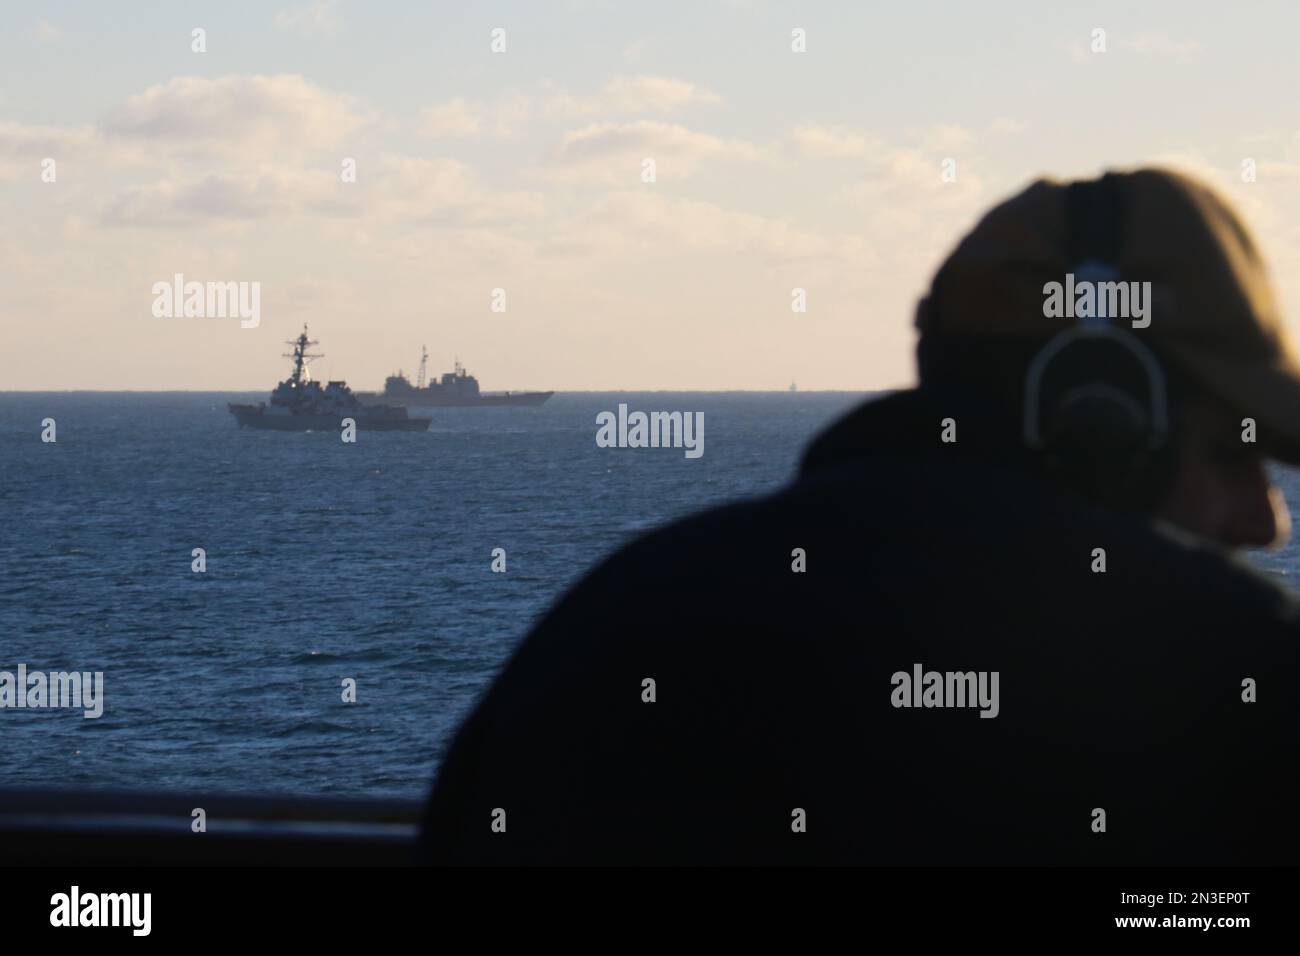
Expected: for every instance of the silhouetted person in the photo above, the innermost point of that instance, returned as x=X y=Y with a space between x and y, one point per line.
x=1045 y=523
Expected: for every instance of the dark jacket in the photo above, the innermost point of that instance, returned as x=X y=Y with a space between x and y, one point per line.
x=775 y=693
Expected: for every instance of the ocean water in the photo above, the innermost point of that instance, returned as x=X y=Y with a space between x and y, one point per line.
x=325 y=561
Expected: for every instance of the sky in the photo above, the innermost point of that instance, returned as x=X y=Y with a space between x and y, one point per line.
x=524 y=169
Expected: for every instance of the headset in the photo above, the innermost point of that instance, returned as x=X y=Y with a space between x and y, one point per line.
x=1096 y=399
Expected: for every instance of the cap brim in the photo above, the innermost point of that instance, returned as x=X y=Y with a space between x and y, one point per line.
x=1269 y=392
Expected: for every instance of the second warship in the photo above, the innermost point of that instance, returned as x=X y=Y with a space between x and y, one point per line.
x=456 y=389
x=299 y=404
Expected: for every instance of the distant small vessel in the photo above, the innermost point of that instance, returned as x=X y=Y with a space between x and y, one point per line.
x=298 y=404
x=457 y=389
x=793 y=388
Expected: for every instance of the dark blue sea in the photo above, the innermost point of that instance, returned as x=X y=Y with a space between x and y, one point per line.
x=325 y=561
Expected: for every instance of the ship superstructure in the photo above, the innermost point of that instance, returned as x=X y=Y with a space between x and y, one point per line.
x=454 y=389
x=301 y=404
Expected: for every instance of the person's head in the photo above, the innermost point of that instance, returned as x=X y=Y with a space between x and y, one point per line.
x=1129 y=326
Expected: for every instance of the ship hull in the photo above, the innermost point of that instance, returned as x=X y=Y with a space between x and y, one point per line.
x=254 y=416
x=417 y=399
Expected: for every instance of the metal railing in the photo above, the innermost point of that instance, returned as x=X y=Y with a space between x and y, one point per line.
x=127 y=828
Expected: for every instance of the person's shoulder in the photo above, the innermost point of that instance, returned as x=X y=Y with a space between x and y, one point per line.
x=1237 y=576
x=967 y=520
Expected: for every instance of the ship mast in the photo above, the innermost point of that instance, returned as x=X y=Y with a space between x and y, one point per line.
x=301 y=357
x=424 y=358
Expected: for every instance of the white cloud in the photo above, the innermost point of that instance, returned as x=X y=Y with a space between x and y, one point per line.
x=232 y=120
x=399 y=188
x=904 y=176
x=219 y=197
x=649 y=94
x=461 y=118
x=453 y=118
x=627 y=95
x=627 y=221
x=23 y=147
x=507 y=114
x=942 y=138
x=33 y=142
x=840 y=141
x=832 y=141
x=446 y=191
x=257 y=117
x=613 y=152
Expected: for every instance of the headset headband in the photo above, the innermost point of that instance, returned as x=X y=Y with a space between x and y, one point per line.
x=1094 y=214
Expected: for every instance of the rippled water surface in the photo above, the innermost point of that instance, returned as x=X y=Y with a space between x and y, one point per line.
x=324 y=561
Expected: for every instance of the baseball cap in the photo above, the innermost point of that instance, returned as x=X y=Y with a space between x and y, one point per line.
x=1212 y=309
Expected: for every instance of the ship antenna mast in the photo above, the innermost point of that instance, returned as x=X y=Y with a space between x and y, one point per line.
x=424 y=358
x=301 y=357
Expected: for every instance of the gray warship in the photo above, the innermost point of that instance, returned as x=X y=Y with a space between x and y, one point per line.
x=299 y=404
x=456 y=389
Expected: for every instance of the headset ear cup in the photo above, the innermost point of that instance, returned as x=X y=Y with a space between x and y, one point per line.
x=1096 y=406
x=1159 y=474
x=1094 y=446
x=1139 y=483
